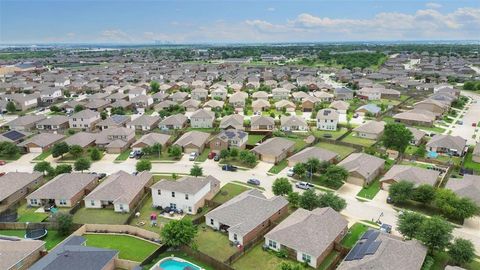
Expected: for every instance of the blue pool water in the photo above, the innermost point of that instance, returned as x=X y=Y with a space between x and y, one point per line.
x=171 y=264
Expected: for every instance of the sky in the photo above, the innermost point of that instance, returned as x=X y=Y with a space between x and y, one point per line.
x=235 y=21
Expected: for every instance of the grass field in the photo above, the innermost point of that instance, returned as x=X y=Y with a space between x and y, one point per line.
x=123 y=156
x=278 y=167
x=214 y=243
x=203 y=156
x=299 y=143
x=43 y=155
x=27 y=214
x=470 y=164
x=342 y=151
x=228 y=191
x=99 y=216
x=130 y=248
x=350 y=138
x=370 y=191
x=145 y=211
x=52 y=239
x=335 y=133
x=257 y=258
x=253 y=139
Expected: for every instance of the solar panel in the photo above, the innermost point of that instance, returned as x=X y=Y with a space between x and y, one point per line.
x=13 y=135
x=373 y=247
x=365 y=246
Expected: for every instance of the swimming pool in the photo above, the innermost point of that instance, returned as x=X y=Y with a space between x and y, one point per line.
x=177 y=264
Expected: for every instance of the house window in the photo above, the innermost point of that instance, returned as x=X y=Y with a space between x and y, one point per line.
x=63 y=202
x=306 y=258
x=173 y=194
x=92 y=203
x=33 y=201
x=272 y=244
x=235 y=237
x=190 y=209
x=211 y=221
x=120 y=206
x=159 y=192
x=186 y=196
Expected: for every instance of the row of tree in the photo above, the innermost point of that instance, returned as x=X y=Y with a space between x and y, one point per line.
x=331 y=175
x=436 y=234
x=76 y=151
x=445 y=200
x=244 y=156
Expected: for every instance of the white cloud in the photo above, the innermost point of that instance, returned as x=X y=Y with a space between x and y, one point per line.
x=433 y=5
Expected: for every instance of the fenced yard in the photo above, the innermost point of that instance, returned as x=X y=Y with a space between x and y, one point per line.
x=52 y=238
x=227 y=192
x=213 y=243
x=99 y=216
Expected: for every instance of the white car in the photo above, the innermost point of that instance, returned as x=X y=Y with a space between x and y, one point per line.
x=192 y=156
x=290 y=172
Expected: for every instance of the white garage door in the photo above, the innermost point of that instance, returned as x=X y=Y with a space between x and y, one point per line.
x=35 y=150
x=355 y=180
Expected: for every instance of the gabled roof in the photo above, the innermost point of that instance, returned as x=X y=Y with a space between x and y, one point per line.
x=187 y=184
x=176 y=119
x=63 y=186
x=362 y=163
x=153 y=138
x=114 y=120
x=311 y=232
x=340 y=105
x=447 y=141
x=43 y=139
x=246 y=211
x=25 y=120
x=372 y=108
x=468 y=187
x=262 y=120
x=234 y=120
x=375 y=127
x=292 y=120
x=14 y=181
x=328 y=114
x=418 y=176
x=120 y=187
x=87 y=113
x=196 y=138
x=313 y=152
x=14 y=250
x=273 y=146
x=145 y=120
x=82 y=139
x=54 y=120
x=203 y=114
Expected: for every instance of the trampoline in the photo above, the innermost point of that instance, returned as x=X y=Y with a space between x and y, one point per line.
x=35 y=231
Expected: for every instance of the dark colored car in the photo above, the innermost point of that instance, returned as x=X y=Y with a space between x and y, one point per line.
x=216 y=158
x=253 y=181
x=139 y=155
x=101 y=175
x=389 y=200
x=229 y=168
x=211 y=155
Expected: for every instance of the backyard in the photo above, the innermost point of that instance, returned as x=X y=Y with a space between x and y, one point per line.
x=28 y=214
x=143 y=221
x=335 y=134
x=470 y=164
x=254 y=139
x=257 y=258
x=99 y=216
x=129 y=247
x=228 y=191
x=178 y=254
x=52 y=239
x=214 y=243
x=342 y=151
x=352 y=138
x=299 y=142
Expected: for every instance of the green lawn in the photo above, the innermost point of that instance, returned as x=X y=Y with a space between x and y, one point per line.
x=203 y=156
x=123 y=156
x=350 y=138
x=342 y=151
x=253 y=139
x=299 y=143
x=99 y=216
x=329 y=260
x=177 y=254
x=144 y=220
x=437 y=130
x=279 y=167
x=257 y=258
x=130 y=248
x=43 y=155
x=335 y=133
x=370 y=191
x=470 y=164
x=354 y=233
x=214 y=243
x=86 y=154
x=27 y=214
x=52 y=239
x=411 y=149
x=228 y=191
x=10 y=158
x=441 y=259
x=319 y=180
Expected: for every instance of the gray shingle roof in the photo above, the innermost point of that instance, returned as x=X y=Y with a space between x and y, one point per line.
x=14 y=181
x=313 y=152
x=187 y=184
x=362 y=163
x=418 y=176
x=14 y=250
x=63 y=186
x=273 y=146
x=196 y=138
x=468 y=187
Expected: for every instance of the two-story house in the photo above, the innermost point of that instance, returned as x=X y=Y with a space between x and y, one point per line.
x=86 y=119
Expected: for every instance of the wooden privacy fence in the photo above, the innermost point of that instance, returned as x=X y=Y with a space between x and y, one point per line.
x=217 y=265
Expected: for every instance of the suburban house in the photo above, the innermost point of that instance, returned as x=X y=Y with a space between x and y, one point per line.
x=253 y=215
x=219 y=93
x=14 y=136
x=188 y=193
x=369 y=93
x=363 y=168
x=86 y=119
x=115 y=140
x=280 y=93
x=190 y=105
x=202 y=119
x=65 y=190
x=16 y=186
x=343 y=93
x=309 y=102
x=285 y=104
x=418 y=135
x=55 y=123
x=262 y=123
x=114 y=121
x=321 y=229
x=293 y=123
x=312 y=152
x=74 y=254
x=120 y=191
x=83 y=139
x=274 y=149
x=370 y=130
x=238 y=99
x=340 y=105
x=416 y=175
x=234 y=121
x=322 y=96
x=18 y=253
x=378 y=250
x=40 y=142
x=25 y=123
x=199 y=94
x=258 y=95
x=434 y=106
x=327 y=119
x=150 y=139
x=144 y=123
x=228 y=138
x=193 y=141
x=416 y=117
x=467 y=187
x=448 y=144
x=213 y=104
x=260 y=105
x=176 y=121
x=178 y=96
x=23 y=102
x=368 y=109
x=142 y=102
x=97 y=105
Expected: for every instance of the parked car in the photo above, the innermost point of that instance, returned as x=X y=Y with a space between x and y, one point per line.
x=101 y=175
x=2 y=162
x=132 y=154
x=290 y=172
x=304 y=185
x=211 y=155
x=2 y=173
x=216 y=158
x=192 y=156
x=474 y=124
x=229 y=168
x=389 y=200
x=139 y=154
x=355 y=115
x=459 y=122
x=386 y=228
x=253 y=181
